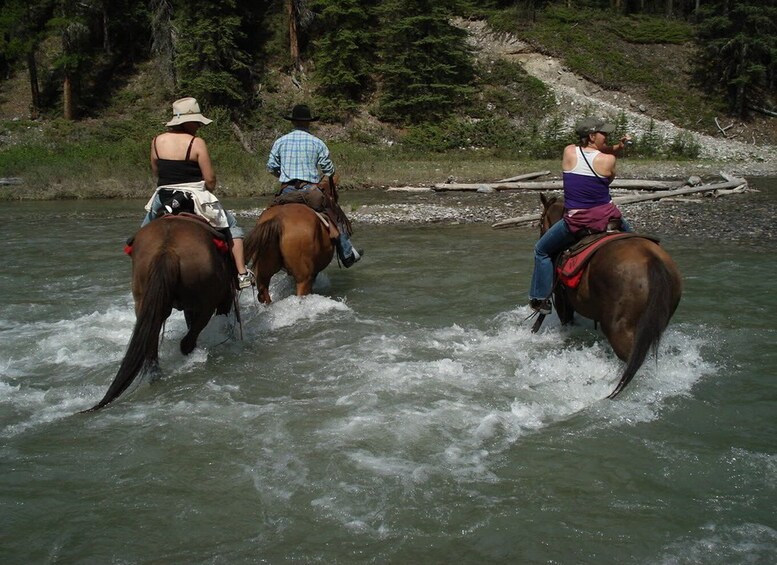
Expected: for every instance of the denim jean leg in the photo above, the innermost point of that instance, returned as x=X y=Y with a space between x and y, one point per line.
x=552 y=242
x=152 y=214
x=346 y=249
x=625 y=226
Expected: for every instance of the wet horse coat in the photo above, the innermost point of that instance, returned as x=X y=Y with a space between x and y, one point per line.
x=631 y=286
x=290 y=237
x=176 y=263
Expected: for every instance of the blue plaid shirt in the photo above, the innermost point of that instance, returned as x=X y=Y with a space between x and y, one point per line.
x=298 y=155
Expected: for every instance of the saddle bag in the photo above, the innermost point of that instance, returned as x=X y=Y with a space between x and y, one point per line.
x=176 y=201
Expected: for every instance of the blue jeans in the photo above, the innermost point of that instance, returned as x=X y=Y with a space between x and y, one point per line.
x=156 y=206
x=553 y=241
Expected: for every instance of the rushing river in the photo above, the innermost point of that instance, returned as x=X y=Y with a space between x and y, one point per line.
x=403 y=414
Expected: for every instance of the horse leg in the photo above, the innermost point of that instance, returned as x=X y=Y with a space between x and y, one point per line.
x=305 y=287
x=620 y=334
x=263 y=276
x=199 y=319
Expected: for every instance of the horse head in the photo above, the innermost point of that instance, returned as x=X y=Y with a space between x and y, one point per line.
x=552 y=211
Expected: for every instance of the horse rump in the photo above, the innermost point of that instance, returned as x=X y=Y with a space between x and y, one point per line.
x=659 y=309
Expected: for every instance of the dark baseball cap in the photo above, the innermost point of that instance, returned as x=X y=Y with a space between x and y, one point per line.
x=592 y=125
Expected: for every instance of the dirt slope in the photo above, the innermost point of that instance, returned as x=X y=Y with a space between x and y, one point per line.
x=576 y=96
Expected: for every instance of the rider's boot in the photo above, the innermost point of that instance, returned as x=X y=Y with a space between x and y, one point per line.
x=345 y=250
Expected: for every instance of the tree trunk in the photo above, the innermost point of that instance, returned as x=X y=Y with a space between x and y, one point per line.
x=32 y=70
x=67 y=98
x=106 y=33
x=291 y=12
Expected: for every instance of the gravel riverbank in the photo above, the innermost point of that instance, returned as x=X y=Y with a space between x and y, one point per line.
x=735 y=217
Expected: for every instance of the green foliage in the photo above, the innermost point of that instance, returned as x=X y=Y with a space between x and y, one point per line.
x=651 y=30
x=343 y=55
x=738 y=51
x=210 y=62
x=685 y=146
x=649 y=144
x=426 y=66
x=549 y=141
x=508 y=90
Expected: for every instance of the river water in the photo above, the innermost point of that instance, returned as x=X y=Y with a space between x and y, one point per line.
x=403 y=414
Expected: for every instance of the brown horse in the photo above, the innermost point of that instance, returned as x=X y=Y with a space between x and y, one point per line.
x=630 y=286
x=290 y=237
x=177 y=262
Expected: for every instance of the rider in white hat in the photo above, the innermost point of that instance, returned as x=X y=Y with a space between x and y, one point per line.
x=181 y=162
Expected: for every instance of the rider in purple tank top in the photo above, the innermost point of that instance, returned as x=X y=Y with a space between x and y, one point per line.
x=588 y=169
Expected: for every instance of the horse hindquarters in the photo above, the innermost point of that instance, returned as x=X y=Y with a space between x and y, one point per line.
x=154 y=303
x=262 y=249
x=663 y=296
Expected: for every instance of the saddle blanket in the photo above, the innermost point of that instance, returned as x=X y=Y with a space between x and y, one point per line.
x=571 y=263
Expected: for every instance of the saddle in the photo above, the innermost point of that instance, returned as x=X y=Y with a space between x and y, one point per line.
x=324 y=203
x=571 y=262
x=221 y=238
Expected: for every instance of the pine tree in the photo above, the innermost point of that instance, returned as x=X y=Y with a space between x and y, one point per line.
x=738 y=50
x=211 y=63
x=344 y=55
x=426 y=66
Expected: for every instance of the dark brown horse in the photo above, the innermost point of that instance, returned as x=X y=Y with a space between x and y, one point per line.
x=180 y=263
x=290 y=237
x=630 y=286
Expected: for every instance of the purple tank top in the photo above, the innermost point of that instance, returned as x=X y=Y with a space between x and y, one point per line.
x=583 y=188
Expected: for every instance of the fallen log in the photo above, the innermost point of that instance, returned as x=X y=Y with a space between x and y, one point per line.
x=408 y=189
x=526 y=176
x=536 y=185
x=737 y=184
x=732 y=183
x=641 y=184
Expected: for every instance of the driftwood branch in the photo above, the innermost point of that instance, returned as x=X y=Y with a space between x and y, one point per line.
x=409 y=189
x=721 y=128
x=10 y=180
x=241 y=138
x=526 y=176
x=731 y=185
x=764 y=111
x=537 y=185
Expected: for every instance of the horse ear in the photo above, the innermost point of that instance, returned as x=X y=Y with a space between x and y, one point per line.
x=543 y=199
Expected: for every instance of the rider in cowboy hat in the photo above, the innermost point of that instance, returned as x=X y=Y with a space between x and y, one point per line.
x=296 y=159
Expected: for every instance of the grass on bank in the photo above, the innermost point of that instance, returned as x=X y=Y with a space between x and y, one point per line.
x=76 y=164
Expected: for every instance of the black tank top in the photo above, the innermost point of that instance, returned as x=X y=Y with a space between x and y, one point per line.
x=174 y=171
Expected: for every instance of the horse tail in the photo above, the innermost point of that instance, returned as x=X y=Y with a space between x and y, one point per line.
x=265 y=236
x=654 y=320
x=143 y=349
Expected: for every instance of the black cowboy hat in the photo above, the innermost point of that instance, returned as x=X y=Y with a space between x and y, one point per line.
x=301 y=113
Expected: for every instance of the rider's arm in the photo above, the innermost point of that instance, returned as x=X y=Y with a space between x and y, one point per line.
x=324 y=161
x=617 y=148
x=203 y=159
x=153 y=157
x=604 y=165
x=274 y=161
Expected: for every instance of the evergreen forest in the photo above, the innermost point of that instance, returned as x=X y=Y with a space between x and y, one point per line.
x=402 y=64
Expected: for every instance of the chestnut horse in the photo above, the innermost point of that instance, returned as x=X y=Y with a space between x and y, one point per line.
x=630 y=286
x=290 y=237
x=177 y=262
